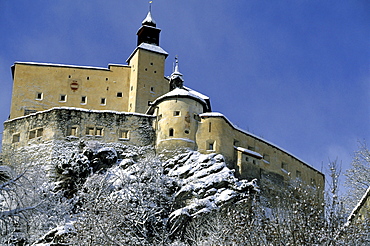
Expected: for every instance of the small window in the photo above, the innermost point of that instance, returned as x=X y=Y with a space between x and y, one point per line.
x=132 y=88
x=211 y=146
x=99 y=131
x=16 y=138
x=83 y=99
x=176 y=113
x=39 y=132
x=106 y=79
x=196 y=117
x=69 y=76
x=119 y=94
x=87 y=78
x=298 y=174
x=35 y=133
x=210 y=127
x=284 y=166
x=155 y=71
x=123 y=134
x=152 y=89
x=254 y=162
x=236 y=143
x=39 y=96
x=247 y=158
x=151 y=63
x=90 y=131
x=73 y=131
x=103 y=101
x=32 y=134
x=187 y=131
x=171 y=132
x=63 y=98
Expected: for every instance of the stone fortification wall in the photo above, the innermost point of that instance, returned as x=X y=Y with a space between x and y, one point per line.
x=42 y=130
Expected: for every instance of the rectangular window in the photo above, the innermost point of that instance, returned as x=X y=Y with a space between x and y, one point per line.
x=103 y=101
x=176 y=113
x=123 y=134
x=35 y=133
x=90 y=131
x=73 y=131
x=39 y=95
x=39 y=132
x=152 y=89
x=99 y=131
x=298 y=174
x=119 y=94
x=211 y=146
x=32 y=134
x=62 y=98
x=284 y=166
x=209 y=127
x=16 y=138
x=83 y=99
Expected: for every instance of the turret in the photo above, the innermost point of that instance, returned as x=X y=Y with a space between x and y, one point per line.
x=178 y=114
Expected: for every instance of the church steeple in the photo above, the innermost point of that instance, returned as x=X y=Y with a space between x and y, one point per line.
x=148 y=32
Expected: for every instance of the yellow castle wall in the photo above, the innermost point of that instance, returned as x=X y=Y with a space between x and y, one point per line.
x=224 y=137
x=72 y=83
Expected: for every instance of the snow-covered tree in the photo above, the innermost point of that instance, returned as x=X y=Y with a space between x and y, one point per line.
x=358 y=176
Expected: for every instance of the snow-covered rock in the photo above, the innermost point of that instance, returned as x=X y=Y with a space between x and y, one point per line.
x=205 y=183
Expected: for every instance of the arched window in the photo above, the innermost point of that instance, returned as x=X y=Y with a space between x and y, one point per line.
x=171 y=132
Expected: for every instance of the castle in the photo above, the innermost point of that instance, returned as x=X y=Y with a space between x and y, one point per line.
x=135 y=104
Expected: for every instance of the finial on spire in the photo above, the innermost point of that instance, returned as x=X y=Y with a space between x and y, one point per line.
x=149 y=21
x=176 y=67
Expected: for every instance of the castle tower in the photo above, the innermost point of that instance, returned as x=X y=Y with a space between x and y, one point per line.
x=147 y=62
x=178 y=114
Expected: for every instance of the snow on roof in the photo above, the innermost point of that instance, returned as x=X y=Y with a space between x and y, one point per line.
x=150 y=47
x=80 y=109
x=181 y=92
x=149 y=19
x=60 y=65
x=249 y=152
x=359 y=205
x=204 y=97
x=217 y=114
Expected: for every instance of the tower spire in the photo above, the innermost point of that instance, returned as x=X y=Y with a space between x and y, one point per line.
x=148 y=32
x=176 y=80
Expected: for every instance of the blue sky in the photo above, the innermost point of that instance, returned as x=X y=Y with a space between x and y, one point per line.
x=296 y=73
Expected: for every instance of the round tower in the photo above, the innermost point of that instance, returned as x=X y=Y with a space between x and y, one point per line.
x=177 y=114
